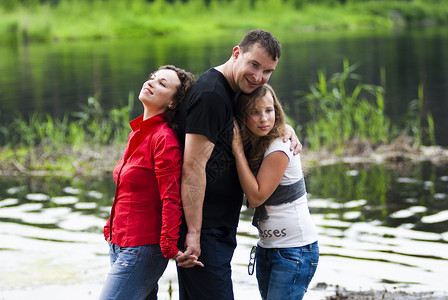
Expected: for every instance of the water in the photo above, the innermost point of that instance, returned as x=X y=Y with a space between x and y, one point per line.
x=57 y=78
x=378 y=229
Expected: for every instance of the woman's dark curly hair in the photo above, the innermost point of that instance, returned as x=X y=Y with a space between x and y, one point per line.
x=186 y=81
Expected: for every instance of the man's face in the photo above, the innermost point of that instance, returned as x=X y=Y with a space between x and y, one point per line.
x=252 y=68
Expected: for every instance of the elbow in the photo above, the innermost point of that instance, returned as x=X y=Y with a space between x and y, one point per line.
x=254 y=202
x=192 y=167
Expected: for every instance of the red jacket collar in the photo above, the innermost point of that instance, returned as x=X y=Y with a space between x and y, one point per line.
x=145 y=125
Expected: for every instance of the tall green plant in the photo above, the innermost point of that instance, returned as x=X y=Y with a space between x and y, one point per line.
x=92 y=125
x=420 y=126
x=339 y=115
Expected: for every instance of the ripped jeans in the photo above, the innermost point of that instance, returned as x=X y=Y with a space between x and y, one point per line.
x=134 y=273
x=285 y=273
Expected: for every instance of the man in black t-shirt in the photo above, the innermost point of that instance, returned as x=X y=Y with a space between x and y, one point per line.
x=211 y=193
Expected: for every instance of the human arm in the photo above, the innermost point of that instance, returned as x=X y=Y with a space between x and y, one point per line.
x=290 y=134
x=198 y=149
x=167 y=158
x=258 y=189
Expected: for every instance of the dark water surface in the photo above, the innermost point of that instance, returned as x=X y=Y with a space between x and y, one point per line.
x=415 y=197
x=58 y=77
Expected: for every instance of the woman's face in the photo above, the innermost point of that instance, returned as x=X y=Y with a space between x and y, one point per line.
x=261 y=118
x=158 y=91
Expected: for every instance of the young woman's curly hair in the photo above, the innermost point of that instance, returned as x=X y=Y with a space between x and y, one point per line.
x=255 y=146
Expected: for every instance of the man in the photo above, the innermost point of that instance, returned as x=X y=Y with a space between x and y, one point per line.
x=211 y=193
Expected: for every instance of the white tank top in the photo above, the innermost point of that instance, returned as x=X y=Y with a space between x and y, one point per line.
x=290 y=224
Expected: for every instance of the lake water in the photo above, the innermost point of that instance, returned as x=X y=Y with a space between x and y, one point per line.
x=57 y=78
x=378 y=229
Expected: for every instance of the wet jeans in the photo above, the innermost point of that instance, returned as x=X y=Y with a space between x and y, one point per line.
x=285 y=273
x=134 y=272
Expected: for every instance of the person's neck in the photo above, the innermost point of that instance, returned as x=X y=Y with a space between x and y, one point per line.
x=150 y=113
x=226 y=70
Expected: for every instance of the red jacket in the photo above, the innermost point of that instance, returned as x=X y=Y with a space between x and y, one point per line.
x=147 y=206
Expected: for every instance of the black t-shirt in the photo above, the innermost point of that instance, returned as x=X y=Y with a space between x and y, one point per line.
x=208 y=109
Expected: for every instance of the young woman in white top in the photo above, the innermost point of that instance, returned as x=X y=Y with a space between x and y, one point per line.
x=272 y=180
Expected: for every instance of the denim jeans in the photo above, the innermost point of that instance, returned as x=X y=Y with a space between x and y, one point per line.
x=134 y=272
x=285 y=273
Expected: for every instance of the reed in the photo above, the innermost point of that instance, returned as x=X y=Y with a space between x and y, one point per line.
x=420 y=125
x=339 y=115
x=91 y=126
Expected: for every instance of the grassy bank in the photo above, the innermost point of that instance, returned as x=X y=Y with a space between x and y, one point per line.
x=29 y=21
x=89 y=141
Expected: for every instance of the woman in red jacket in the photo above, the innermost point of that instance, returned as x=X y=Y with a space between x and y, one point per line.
x=143 y=227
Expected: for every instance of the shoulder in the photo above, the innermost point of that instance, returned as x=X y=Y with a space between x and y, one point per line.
x=279 y=145
x=211 y=85
x=210 y=100
x=165 y=135
x=210 y=76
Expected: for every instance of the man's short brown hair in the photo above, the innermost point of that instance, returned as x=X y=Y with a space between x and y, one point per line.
x=265 y=39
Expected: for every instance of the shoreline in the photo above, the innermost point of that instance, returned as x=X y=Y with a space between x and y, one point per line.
x=100 y=160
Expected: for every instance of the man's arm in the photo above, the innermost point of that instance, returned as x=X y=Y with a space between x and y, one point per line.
x=198 y=149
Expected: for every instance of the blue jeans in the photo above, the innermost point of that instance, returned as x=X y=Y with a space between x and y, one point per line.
x=285 y=273
x=134 y=272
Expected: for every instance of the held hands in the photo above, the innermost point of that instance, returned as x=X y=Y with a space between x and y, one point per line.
x=186 y=261
x=290 y=134
x=189 y=258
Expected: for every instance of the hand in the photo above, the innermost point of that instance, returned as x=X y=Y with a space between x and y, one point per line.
x=290 y=134
x=237 y=143
x=187 y=261
x=108 y=241
x=193 y=244
x=189 y=258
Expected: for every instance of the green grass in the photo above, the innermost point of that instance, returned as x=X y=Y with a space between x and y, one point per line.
x=23 y=21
